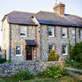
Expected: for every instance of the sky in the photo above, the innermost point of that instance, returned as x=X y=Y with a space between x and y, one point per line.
x=72 y=7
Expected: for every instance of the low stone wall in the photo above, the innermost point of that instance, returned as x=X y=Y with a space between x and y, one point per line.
x=7 y=70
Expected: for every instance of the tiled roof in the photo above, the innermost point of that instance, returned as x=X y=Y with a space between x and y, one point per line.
x=43 y=17
x=52 y=18
x=20 y=18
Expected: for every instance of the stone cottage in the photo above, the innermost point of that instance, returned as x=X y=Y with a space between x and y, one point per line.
x=31 y=36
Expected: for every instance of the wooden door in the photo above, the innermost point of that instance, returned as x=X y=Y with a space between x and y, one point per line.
x=29 y=53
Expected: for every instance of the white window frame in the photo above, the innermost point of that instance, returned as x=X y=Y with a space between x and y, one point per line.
x=80 y=33
x=52 y=31
x=53 y=48
x=66 y=50
x=66 y=33
x=21 y=51
x=21 y=32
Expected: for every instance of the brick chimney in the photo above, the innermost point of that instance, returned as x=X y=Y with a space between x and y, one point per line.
x=59 y=8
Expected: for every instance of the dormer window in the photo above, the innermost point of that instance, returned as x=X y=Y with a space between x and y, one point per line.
x=64 y=32
x=23 y=31
x=51 y=31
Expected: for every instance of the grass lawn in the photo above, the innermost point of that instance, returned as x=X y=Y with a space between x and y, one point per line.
x=36 y=79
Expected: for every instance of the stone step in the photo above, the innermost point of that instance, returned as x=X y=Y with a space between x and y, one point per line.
x=73 y=69
x=75 y=75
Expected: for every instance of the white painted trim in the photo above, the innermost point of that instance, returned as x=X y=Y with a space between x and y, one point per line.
x=66 y=34
x=25 y=33
x=53 y=31
x=66 y=51
x=53 y=47
x=21 y=50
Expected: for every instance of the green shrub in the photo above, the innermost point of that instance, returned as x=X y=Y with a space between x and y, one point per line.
x=37 y=60
x=9 y=61
x=23 y=75
x=77 y=52
x=73 y=64
x=52 y=71
x=65 y=72
x=53 y=56
x=2 y=60
x=69 y=48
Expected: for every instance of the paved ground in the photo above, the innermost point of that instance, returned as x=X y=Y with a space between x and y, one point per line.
x=73 y=69
x=79 y=76
x=75 y=75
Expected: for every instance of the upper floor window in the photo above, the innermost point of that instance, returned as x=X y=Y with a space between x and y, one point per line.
x=80 y=33
x=64 y=32
x=18 y=50
x=64 y=49
x=51 y=31
x=23 y=31
x=51 y=47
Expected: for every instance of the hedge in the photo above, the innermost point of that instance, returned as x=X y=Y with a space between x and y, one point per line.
x=2 y=60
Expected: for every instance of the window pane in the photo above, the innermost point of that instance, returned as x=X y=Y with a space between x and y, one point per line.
x=64 y=49
x=23 y=31
x=50 y=48
x=18 y=49
x=51 y=30
x=64 y=31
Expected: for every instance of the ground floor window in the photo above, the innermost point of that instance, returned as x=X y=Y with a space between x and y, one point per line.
x=51 y=47
x=18 y=50
x=64 y=49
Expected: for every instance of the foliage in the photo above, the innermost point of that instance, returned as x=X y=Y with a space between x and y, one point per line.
x=36 y=79
x=76 y=54
x=52 y=71
x=53 y=56
x=0 y=48
x=23 y=75
x=73 y=64
x=2 y=60
x=69 y=48
x=9 y=61
x=37 y=60
x=65 y=72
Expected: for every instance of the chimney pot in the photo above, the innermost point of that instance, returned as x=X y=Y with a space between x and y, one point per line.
x=60 y=2
x=59 y=8
x=55 y=4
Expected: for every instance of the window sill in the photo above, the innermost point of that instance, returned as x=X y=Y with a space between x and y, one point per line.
x=64 y=54
x=51 y=36
x=23 y=36
x=18 y=54
x=65 y=37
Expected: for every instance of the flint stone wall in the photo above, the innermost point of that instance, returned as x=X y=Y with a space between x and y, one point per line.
x=57 y=40
x=7 y=70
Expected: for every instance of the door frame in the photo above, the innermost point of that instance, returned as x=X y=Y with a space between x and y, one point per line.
x=32 y=52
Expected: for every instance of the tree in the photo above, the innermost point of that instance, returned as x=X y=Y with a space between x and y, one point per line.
x=76 y=54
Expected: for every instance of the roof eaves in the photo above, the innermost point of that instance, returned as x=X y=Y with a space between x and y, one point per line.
x=61 y=25
x=23 y=24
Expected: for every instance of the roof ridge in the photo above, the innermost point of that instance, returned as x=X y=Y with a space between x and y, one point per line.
x=74 y=15
x=47 y=11
x=43 y=11
x=24 y=12
x=19 y=11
